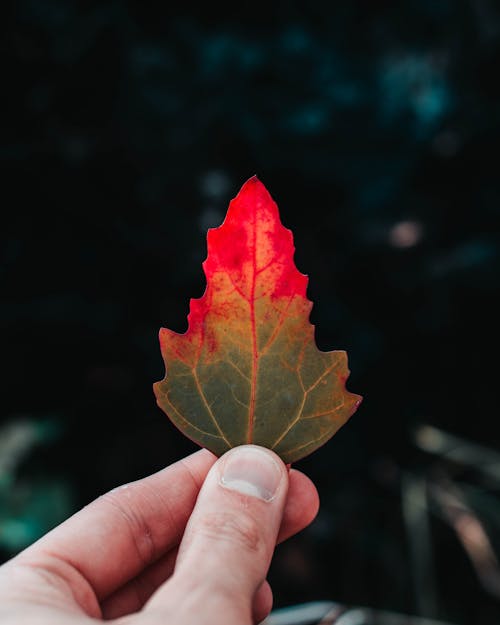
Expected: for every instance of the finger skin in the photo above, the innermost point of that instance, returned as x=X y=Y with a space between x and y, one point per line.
x=300 y=509
x=115 y=537
x=227 y=547
x=262 y=602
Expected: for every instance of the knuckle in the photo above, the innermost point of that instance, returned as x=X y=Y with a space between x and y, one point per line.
x=139 y=531
x=241 y=530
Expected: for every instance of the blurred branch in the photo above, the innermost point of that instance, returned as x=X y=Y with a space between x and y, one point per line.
x=459 y=450
x=367 y=616
x=330 y=613
x=471 y=534
x=311 y=613
x=416 y=516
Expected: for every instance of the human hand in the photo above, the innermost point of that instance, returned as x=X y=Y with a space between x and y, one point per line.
x=190 y=544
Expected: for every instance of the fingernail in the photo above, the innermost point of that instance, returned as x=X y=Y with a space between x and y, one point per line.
x=251 y=471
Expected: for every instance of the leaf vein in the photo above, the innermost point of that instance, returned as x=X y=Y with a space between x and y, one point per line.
x=278 y=327
x=207 y=406
x=332 y=411
x=235 y=366
x=292 y=423
x=325 y=373
x=188 y=423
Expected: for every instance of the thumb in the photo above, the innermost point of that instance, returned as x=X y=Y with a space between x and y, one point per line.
x=229 y=540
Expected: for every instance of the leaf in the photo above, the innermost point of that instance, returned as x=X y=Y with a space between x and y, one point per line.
x=248 y=370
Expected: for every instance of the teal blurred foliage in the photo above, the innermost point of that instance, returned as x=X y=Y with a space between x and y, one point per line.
x=126 y=129
x=30 y=504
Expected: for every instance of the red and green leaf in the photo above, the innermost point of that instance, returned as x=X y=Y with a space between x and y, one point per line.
x=248 y=370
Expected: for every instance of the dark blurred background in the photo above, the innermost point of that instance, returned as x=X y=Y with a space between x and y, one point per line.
x=126 y=129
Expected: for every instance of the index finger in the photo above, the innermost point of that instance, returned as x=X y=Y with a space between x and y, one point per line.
x=116 y=536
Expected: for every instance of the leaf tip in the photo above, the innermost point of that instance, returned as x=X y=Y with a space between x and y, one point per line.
x=253 y=185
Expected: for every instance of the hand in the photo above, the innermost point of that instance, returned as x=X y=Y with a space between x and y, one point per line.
x=190 y=544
